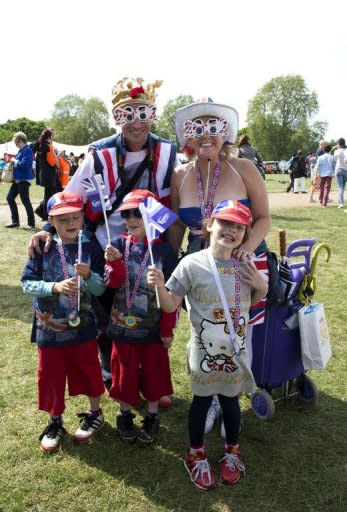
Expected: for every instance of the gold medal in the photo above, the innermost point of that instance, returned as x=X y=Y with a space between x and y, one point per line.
x=130 y=321
x=74 y=322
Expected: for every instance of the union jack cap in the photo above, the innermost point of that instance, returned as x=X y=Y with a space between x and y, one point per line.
x=135 y=198
x=233 y=211
x=64 y=202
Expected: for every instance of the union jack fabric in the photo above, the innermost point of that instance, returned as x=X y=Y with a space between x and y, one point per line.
x=96 y=193
x=156 y=217
x=257 y=312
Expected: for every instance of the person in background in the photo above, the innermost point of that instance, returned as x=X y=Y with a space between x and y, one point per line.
x=140 y=331
x=217 y=354
x=315 y=180
x=49 y=178
x=133 y=158
x=64 y=168
x=73 y=164
x=325 y=171
x=340 y=156
x=320 y=150
x=290 y=173
x=2 y=165
x=66 y=336
x=81 y=159
x=23 y=176
x=250 y=152
x=298 y=168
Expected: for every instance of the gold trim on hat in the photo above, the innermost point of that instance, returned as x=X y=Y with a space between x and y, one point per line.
x=121 y=92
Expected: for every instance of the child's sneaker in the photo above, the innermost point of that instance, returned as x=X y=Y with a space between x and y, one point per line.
x=231 y=467
x=199 y=470
x=150 y=428
x=126 y=427
x=51 y=436
x=213 y=413
x=89 y=424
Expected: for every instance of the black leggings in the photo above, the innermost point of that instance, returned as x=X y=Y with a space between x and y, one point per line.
x=21 y=188
x=197 y=418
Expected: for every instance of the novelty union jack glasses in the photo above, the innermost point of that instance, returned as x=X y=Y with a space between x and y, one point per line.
x=129 y=114
x=198 y=128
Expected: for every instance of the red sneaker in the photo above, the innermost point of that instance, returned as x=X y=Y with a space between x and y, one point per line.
x=231 y=467
x=199 y=470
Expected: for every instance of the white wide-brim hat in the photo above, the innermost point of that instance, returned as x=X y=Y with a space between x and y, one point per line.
x=206 y=107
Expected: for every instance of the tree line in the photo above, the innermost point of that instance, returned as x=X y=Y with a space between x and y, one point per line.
x=279 y=119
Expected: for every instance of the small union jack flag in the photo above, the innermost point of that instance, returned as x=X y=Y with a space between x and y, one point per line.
x=96 y=193
x=156 y=217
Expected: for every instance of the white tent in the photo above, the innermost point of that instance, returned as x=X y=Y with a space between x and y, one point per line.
x=8 y=147
x=76 y=150
x=11 y=148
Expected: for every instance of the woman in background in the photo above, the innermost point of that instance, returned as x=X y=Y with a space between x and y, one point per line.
x=23 y=176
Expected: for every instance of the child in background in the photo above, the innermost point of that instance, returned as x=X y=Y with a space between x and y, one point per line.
x=140 y=331
x=65 y=333
x=217 y=353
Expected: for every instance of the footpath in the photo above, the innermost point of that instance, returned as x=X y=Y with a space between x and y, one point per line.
x=277 y=201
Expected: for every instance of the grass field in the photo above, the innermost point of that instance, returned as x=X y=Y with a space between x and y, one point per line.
x=273 y=183
x=295 y=463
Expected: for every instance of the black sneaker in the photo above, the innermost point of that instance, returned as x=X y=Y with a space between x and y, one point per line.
x=12 y=225
x=126 y=428
x=149 y=429
x=51 y=436
x=89 y=424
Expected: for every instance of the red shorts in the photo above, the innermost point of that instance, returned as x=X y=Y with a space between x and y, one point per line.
x=79 y=364
x=140 y=367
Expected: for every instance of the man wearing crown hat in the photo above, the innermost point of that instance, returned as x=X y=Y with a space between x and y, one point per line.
x=133 y=158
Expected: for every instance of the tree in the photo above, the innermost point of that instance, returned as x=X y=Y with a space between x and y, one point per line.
x=165 y=126
x=32 y=129
x=279 y=117
x=78 y=121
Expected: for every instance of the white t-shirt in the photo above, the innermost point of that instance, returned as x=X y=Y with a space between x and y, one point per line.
x=214 y=366
x=340 y=155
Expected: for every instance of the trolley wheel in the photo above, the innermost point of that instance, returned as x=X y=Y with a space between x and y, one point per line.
x=307 y=389
x=262 y=404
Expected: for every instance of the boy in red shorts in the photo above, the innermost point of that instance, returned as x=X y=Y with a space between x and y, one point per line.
x=140 y=331
x=64 y=327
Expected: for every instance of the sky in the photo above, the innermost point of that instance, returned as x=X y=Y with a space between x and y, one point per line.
x=219 y=48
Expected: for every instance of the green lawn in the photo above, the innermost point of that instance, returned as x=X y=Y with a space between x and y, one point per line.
x=295 y=463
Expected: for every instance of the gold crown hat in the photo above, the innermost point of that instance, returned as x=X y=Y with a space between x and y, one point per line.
x=133 y=90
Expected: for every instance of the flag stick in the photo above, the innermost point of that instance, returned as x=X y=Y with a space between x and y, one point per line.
x=79 y=259
x=152 y=261
x=102 y=200
x=149 y=240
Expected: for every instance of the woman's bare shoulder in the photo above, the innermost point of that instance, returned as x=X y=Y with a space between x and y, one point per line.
x=182 y=170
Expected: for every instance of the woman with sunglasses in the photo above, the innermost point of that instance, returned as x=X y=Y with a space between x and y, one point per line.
x=206 y=132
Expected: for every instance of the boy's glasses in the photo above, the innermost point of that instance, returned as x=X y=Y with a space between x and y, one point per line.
x=128 y=114
x=198 y=128
x=68 y=220
x=135 y=212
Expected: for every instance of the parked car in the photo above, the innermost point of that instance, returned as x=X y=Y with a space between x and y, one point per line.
x=271 y=167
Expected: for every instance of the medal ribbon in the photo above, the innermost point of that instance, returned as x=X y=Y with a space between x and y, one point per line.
x=131 y=297
x=231 y=325
x=206 y=209
x=74 y=297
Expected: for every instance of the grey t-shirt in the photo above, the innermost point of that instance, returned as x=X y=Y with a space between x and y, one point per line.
x=214 y=366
